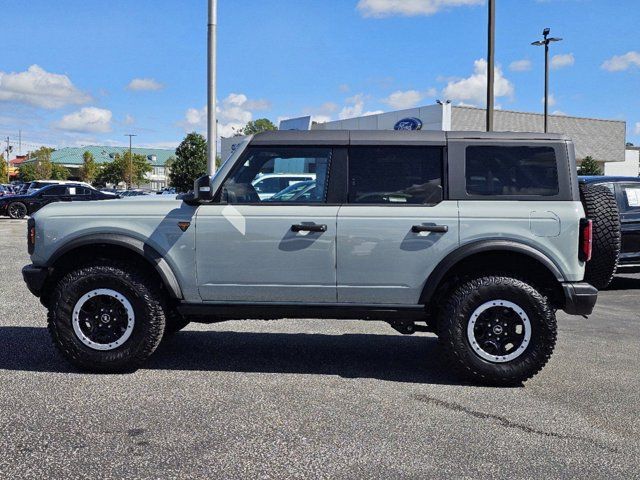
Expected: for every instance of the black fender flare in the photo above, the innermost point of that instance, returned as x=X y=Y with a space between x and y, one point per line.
x=484 y=246
x=135 y=245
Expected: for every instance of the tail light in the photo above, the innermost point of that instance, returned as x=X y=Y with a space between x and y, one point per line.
x=586 y=240
x=31 y=235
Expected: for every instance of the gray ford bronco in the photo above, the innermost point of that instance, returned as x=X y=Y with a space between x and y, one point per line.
x=479 y=238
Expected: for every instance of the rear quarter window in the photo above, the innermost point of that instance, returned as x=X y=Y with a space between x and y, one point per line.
x=511 y=171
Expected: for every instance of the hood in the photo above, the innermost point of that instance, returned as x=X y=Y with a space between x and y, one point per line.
x=143 y=206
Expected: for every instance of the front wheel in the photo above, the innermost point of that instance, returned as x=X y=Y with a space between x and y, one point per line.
x=107 y=317
x=17 y=210
x=498 y=330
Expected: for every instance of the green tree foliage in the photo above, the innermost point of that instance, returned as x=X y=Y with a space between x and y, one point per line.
x=589 y=167
x=59 y=172
x=122 y=170
x=27 y=172
x=44 y=168
x=189 y=163
x=42 y=153
x=257 y=126
x=4 y=170
x=89 y=169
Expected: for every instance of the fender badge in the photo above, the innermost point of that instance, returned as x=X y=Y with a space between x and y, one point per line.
x=184 y=225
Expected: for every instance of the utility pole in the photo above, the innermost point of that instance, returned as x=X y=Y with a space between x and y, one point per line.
x=19 y=142
x=7 y=156
x=546 y=41
x=212 y=127
x=130 y=135
x=491 y=63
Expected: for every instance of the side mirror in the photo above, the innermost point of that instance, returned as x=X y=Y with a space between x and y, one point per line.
x=202 y=189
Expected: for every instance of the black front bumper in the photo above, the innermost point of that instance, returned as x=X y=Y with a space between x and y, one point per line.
x=580 y=298
x=35 y=277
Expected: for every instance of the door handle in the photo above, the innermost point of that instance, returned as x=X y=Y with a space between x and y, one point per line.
x=430 y=228
x=308 y=228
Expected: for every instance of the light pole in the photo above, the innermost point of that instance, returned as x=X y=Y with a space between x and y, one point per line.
x=546 y=41
x=491 y=63
x=130 y=135
x=212 y=130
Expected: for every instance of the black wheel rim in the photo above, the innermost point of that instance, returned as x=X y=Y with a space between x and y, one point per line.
x=499 y=331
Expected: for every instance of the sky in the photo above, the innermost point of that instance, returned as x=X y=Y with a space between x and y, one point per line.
x=80 y=72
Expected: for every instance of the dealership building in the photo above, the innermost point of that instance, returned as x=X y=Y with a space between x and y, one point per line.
x=603 y=140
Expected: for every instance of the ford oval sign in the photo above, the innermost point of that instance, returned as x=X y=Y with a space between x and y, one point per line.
x=410 y=123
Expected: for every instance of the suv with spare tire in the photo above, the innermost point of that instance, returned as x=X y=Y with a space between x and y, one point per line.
x=476 y=237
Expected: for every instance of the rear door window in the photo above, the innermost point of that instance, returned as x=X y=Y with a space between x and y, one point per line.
x=631 y=196
x=492 y=170
x=395 y=175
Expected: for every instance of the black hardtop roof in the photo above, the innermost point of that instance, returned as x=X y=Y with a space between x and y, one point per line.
x=389 y=137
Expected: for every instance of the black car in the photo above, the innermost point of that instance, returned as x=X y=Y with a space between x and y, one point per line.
x=18 y=206
x=627 y=193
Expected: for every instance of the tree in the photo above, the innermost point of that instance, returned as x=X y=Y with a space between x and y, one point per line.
x=4 y=170
x=44 y=168
x=257 y=126
x=59 y=172
x=190 y=162
x=121 y=170
x=43 y=153
x=27 y=172
x=89 y=169
x=589 y=167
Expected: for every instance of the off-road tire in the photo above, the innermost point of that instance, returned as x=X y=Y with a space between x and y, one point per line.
x=174 y=322
x=17 y=210
x=139 y=288
x=601 y=207
x=456 y=315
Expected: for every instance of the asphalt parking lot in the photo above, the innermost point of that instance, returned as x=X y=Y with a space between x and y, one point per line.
x=311 y=398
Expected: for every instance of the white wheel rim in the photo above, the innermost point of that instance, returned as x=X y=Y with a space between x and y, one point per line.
x=116 y=342
x=476 y=345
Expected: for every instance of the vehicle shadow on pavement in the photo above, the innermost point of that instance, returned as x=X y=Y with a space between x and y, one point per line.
x=415 y=359
x=624 y=283
x=396 y=358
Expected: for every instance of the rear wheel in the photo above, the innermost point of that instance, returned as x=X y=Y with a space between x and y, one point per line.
x=17 y=210
x=106 y=317
x=601 y=207
x=498 y=330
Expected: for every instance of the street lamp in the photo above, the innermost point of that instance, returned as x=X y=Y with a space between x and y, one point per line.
x=546 y=41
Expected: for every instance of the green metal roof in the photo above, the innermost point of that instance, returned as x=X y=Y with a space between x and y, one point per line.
x=73 y=155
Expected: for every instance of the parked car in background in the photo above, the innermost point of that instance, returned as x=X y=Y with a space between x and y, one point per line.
x=167 y=191
x=300 y=191
x=627 y=193
x=137 y=192
x=38 y=184
x=267 y=185
x=19 y=206
x=5 y=190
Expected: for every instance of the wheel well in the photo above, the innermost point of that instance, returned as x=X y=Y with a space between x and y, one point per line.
x=91 y=253
x=520 y=265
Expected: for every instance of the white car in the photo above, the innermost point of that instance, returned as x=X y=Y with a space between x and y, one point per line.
x=269 y=184
x=38 y=184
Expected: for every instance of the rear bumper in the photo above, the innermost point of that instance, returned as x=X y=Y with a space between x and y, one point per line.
x=35 y=277
x=580 y=298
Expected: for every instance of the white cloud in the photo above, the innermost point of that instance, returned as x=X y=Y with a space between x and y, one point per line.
x=473 y=90
x=407 y=99
x=144 y=84
x=355 y=108
x=552 y=100
x=563 y=60
x=233 y=113
x=40 y=88
x=619 y=63
x=520 y=66
x=559 y=113
x=386 y=8
x=636 y=130
x=88 y=119
x=129 y=119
